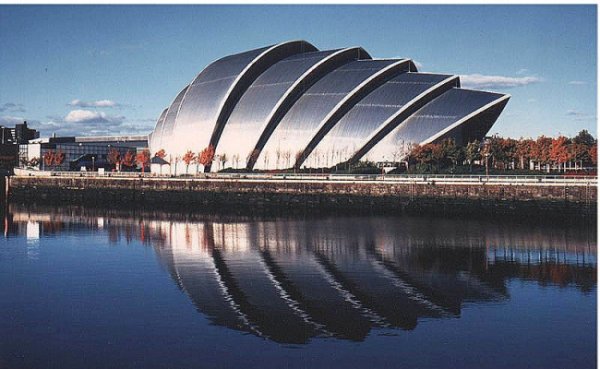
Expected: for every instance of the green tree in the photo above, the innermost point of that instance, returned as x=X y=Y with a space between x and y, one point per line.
x=472 y=153
x=585 y=138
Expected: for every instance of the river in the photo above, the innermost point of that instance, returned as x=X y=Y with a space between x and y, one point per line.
x=104 y=288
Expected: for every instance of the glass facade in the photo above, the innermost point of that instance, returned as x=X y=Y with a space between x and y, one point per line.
x=74 y=151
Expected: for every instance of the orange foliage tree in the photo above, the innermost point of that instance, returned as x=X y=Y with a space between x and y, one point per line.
x=161 y=153
x=206 y=156
x=114 y=157
x=188 y=158
x=49 y=158
x=59 y=157
x=593 y=152
x=559 y=152
x=143 y=159
x=523 y=151
x=128 y=159
x=540 y=150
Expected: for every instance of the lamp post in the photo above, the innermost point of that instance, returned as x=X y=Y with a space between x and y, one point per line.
x=487 y=169
x=93 y=164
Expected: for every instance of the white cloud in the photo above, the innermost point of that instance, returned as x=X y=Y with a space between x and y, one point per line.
x=94 y=104
x=81 y=122
x=88 y=116
x=577 y=83
x=496 y=82
x=8 y=120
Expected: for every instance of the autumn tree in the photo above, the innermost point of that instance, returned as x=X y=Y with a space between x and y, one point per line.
x=161 y=153
x=559 y=152
x=128 y=159
x=427 y=156
x=143 y=159
x=508 y=147
x=49 y=158
x=540 y=150
x=593 y=153
x=59 y=157
x=206 y=156
x=523 y=151
x=188 y=158
x=114 y=158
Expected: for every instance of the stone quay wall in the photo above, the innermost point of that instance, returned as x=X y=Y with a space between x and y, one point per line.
x=562 y=201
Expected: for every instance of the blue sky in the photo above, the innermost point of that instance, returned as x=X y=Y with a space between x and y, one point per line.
x=112 y=69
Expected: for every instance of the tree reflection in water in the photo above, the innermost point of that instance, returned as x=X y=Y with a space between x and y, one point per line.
x=292 y=279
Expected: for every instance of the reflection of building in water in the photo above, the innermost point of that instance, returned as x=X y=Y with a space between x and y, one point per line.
x=291 y=280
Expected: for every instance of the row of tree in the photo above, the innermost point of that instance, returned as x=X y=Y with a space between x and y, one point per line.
x=205 y=157
x=544 y=153
x=53 y=158
x=128 y=161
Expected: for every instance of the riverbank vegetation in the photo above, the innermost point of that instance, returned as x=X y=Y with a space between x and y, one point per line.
x=498 y=154
x=494 y=155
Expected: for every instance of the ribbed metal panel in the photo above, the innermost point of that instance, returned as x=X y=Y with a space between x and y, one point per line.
x=368 y=115
x=433 y=118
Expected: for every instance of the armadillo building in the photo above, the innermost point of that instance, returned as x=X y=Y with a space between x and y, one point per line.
x=292 y=105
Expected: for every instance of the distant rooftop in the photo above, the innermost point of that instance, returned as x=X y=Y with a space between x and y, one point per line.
x=88 y=139
x=111 y=138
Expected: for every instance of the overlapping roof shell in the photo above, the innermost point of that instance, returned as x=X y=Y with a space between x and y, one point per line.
x=291 y=105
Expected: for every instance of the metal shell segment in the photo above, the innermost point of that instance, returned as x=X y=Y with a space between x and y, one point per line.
x=290 y=105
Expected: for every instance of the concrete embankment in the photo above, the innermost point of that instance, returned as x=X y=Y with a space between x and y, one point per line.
x=568 y=201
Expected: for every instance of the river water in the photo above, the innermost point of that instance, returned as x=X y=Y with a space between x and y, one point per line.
x=92 y=288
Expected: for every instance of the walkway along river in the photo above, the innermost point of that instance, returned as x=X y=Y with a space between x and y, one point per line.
x=547 y=196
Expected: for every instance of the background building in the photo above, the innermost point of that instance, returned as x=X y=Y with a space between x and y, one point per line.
x=10 y=138
x=291 y=105
x=89 y=152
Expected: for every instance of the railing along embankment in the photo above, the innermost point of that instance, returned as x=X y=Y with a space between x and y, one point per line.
x=515 y=195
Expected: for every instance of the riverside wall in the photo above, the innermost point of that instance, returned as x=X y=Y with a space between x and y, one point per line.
x=566 y=201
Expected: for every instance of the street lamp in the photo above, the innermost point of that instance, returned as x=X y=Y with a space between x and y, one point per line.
x=487 y=170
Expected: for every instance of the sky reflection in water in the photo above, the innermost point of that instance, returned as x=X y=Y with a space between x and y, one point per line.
x=109 y=288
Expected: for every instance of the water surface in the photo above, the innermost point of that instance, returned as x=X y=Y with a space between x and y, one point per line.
x=90 y=288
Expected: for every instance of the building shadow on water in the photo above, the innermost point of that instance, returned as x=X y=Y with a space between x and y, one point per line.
x=291 y=279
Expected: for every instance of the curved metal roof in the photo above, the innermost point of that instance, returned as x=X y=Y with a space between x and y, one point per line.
x=157 y=128
x=435 y=120
x=290 y=105
x=215 y=91
x=271 y=95
x=377 y=112
x=322 y=105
